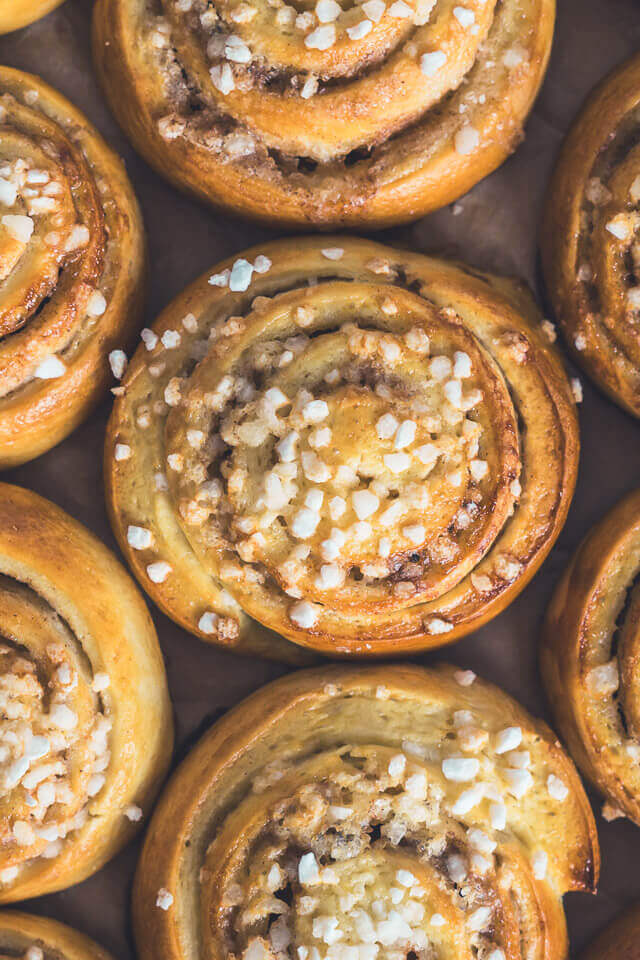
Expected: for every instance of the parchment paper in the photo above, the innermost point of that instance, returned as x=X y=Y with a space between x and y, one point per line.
x=496 y=229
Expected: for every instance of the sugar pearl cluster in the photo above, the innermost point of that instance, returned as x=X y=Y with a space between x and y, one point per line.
x=50 y=749
x=343 y=867
x=228 y=41
x=363 y=511
x=30 y=192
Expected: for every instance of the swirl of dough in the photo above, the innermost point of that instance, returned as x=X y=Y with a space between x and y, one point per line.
x=361 y=112
x=344 y=814
x=591 y=657
x=366 y=451
x=85 y=718
x=591 y=237
x=24 y=936
x=71 y=266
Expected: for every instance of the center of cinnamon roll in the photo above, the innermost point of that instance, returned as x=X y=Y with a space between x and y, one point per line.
x=367 y=474
x=375 y=905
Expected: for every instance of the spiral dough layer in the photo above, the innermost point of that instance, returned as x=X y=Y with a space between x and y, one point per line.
x=591 y=237
x=85 y=720
x=329 y=439
x=71 y=266
x=24 y=936
x=380 y=813
x=591 y=658
x=323 y=113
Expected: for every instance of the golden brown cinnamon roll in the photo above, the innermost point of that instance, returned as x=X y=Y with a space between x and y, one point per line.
x=590 y=658
x=326 y=437
x=591 y=237
x=620 y=941
x=71 y=266
x=19 y=13
x=85 y=718
x=24 y=936
x=369 y=112
x=354 y=814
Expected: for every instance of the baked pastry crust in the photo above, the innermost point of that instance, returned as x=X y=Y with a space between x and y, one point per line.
x=331 y=790
x=245 y=106
x=86 y=725
x=590 y=239
x=619 y=941
x=15 y=14
x=589 y=657
x=325 y=436
x=72 y=261
x=20 y=932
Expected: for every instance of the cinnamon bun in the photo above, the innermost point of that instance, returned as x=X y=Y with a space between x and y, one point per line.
x=365 y=450
x=85 y=718
x=364 y=113
x=71 y=265
x=591 y=237
x=383 y=812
